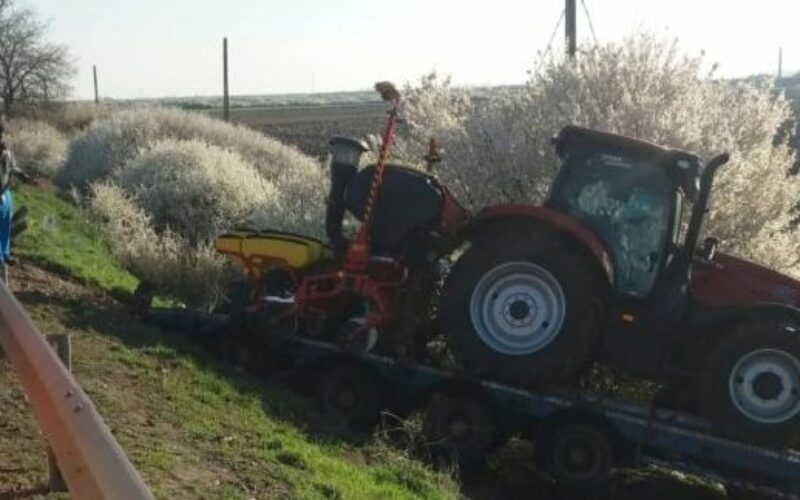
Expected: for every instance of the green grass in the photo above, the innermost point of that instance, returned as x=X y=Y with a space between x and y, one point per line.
x=238 y=425
x=252 y=444
x=60 y=238
x=191 y=425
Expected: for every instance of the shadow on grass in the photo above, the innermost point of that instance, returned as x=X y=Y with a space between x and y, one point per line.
x=118 y=293
x=34 y=492
x=201 y=342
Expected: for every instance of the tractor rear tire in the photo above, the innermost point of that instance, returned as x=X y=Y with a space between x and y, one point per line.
x=524 y=309
x=750 y=385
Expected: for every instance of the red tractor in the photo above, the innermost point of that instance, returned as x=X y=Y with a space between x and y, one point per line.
x=608 y=269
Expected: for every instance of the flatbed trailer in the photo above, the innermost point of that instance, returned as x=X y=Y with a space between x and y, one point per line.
x=580 y=437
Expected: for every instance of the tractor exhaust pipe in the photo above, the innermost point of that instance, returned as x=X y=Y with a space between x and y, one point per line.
x=701 y=205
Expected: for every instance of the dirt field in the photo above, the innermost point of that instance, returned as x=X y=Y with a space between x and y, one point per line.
x=310 y=127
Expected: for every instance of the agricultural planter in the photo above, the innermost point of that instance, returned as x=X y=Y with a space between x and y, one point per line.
x=608 y=269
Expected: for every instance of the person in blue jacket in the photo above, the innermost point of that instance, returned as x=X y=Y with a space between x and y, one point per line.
x=8 y=167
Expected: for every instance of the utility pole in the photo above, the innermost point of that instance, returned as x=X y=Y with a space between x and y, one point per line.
x=96 y=93
x=226 y=110
x=780 y=63
x=569 y=27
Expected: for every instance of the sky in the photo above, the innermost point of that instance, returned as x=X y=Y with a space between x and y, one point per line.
x=164 y=48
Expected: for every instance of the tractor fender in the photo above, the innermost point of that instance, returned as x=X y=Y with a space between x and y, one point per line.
x=543 y=216
x=773 y=309
x=712 y=325
x=731 y=316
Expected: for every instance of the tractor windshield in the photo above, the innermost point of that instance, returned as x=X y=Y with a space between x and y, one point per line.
x=628 y=202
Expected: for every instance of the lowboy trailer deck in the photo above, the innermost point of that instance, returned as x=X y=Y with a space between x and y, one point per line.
x=580 y=437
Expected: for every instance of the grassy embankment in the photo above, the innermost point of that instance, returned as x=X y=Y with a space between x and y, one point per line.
x=191 y=426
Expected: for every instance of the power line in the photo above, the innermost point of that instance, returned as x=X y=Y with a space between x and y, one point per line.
x=589 y=19
x=550 y=43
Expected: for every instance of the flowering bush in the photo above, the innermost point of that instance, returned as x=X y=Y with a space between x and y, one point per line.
x=196 y=190
x=180 y=179
x=39 y=148
x=108 y=143
x=108 y=146
x=498 y=150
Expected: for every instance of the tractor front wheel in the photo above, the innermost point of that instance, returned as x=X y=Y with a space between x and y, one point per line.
x=750 y=387
x=523 y=308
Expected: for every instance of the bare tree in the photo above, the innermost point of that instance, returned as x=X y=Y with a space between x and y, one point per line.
x=32 y=70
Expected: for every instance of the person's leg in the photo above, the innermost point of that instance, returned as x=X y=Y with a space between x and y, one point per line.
x=6 y=204
x=5 y=233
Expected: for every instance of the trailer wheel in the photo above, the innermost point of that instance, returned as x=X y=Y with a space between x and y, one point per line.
x=579 y=456
x=523 y=308
x=243 y=347
x=462 y=429
x=750 y=386
x=350 y=395
x=143 y=298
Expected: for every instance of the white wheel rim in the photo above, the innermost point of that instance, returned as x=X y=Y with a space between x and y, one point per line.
x=764 y=386
x=517 y=308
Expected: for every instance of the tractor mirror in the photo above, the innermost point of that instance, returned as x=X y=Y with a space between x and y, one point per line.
x=713 y=164
x=718 y=161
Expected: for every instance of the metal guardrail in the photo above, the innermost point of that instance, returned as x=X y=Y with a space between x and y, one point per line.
x=91 y=461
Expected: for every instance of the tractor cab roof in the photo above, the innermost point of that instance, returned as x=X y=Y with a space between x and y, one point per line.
x=682 y=167
x=572 y=138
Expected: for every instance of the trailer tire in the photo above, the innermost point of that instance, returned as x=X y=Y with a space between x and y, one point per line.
x=579 y=456
x=241 y=346
x=143 y=298
x=461 y=429
x=523 y=308
x=349 y=394
x=750 y=385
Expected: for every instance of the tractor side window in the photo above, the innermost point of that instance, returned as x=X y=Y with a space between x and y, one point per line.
x=628 y=202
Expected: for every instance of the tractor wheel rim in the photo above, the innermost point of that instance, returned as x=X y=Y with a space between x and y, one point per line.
x=517 y=308
x=765 y=386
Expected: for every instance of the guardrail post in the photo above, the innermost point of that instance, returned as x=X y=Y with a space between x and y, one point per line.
x=62 y=344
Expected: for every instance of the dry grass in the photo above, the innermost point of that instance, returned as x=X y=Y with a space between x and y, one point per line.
x=192 y=273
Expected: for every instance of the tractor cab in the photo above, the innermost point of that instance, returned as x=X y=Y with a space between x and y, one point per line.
x=633 y=195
